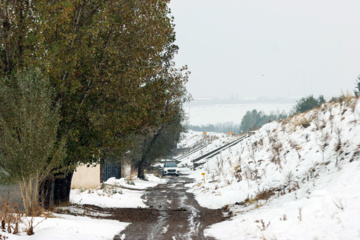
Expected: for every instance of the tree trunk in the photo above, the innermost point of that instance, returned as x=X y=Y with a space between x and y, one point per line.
x=141 y=168
x=45 y=197
x=102 y=162
x=29 y=193
x=142 y=164
x=54 y=192
x=62 y=189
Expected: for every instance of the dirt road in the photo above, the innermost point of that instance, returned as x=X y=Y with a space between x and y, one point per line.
x=173 y=214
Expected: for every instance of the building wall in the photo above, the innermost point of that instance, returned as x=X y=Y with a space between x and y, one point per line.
x=125 y=170
x=86 y=177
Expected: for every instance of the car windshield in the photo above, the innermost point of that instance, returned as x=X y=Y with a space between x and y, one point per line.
x=170 y=165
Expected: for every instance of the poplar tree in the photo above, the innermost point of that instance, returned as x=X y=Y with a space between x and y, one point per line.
x=29 y=120
x=110 y=63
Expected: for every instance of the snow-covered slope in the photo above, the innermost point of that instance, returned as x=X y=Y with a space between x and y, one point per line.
x=295 y=179
x=192 y=140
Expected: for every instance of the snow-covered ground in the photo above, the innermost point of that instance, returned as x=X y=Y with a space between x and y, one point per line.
x=205 y=143
x=114 y=193
x=295 y=179
x=62 y=226
x=119 y=193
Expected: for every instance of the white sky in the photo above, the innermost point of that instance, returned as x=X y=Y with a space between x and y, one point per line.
x=268 y=48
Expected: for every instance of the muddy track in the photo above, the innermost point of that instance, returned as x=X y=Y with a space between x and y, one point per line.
x=173 y=214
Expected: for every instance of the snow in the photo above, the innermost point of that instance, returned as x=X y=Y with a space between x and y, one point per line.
x=119 y=193
x=71 y=227
x=116 y=193
x=124 y=198
x=321 y=213
x=209 y=142
x=309 y=166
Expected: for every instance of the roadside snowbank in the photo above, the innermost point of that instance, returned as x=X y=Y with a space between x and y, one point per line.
x=119 y=193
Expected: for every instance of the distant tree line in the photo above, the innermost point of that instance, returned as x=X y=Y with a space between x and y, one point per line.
x=255 y=119
x=219 y=127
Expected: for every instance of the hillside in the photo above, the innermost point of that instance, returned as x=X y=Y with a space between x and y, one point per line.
x=294 y=179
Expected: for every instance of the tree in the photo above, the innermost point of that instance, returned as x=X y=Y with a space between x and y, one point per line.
x=357 y=88
x=29 y=120
x=252 y=119
x=160 y=143
x=321 y=100
x=219 y=127
x=307 y=103
x=168 y=139
x=109 y=62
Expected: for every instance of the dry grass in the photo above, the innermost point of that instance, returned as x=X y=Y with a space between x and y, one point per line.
x=3 y=237
x=237 y=173
x=264 y=195
x=302 y=121
x=10 y=215
x=276 y=160
x=262 y=225
x=300 y=214
x=250 y=201
x=346 y=99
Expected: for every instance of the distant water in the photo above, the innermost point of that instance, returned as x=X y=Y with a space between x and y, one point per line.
x=203 y=114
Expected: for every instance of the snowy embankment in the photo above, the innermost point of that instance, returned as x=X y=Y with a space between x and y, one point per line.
x=295 y=179
x=115 y=193
x=205 y=143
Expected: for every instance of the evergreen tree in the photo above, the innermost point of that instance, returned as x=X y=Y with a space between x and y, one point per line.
x=254 y=119
x=357 y=88
x=321 y=100
x=307 y=103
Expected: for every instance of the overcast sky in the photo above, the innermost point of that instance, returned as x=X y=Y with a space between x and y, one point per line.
x=268 y=48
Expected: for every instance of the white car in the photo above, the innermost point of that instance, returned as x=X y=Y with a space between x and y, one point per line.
x=170 y=168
